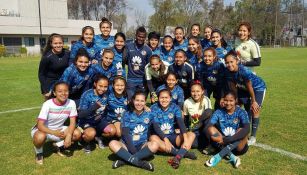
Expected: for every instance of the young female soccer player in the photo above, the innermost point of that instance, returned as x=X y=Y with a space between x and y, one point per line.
x=78 y=75
x=176 y=90
x=135 y=146
x=106 y=67
x=117 y=105
x=220 y=45
x=228 y=128
x=155 y=71
x=86 y=42
x=166 y=115
x=183 y=70
x=118 y=48
x=206 y=42
x=212 y=75
x=50 y=122
x=136 y=57
x=195 y=54
x=195 y=30
x=167 y=50
x=153 y=42
x=104 y=40
x=53 y=63
x=247 y=49
x=197 y=109
x=92 y=107
x=180 y=42
x=251 y=89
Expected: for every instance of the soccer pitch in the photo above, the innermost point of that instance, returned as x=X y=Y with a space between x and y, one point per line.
x=283 y=125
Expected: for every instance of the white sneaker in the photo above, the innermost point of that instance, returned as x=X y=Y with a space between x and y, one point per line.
x=235 y=161
x=100 y=143
x=251 y=140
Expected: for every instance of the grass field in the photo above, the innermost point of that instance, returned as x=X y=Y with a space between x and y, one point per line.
x=283 y=125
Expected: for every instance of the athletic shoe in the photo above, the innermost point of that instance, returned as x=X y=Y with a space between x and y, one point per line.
x=146 y=165
x=100 y=142
x=190 y=155
x=61 y=151
x=235 y=161
x=174 y=162
x=251 y=140
x=213 y=161
x=87 y=148
x=210 y=150
x=39 y=158
x=118 y=163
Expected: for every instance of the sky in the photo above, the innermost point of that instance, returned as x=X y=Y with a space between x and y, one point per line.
x=144 y=5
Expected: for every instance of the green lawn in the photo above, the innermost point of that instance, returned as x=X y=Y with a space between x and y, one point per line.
x=283 y=124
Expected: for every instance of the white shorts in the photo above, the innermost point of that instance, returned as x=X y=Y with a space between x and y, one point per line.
x=49 y=137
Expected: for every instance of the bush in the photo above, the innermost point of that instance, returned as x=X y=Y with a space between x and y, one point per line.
x=66 y=47
x=2 y=50
x=23 y=50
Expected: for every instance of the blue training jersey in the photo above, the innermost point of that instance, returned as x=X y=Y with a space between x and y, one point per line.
x=110 y=72
x=87 y=101
x=138 y=125
x=156 y=51
x=118 y=56
x=183 y=46
x=137 y=59
x=103 y=43
x=212 y=76
x=205 y=43
x=177 y=94
x=229 y=124
x=221 y=53
x=166 y=118
x=184 y=72
x=243 y=75
x=116 y=106
x=167 y=56
x=78 y=81
x=91 y=49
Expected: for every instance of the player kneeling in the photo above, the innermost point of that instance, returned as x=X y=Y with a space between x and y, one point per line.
x=135 y=126
x=228 y=129
x=50 y=123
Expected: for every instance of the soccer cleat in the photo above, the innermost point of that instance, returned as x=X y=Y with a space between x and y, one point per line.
x=61 y=151
x=87 y=148
x=146 y=165
x=39 y=158
x=213 y=161
x=235 y=161
x=251 y=140
x=174 y=162
x=190 y=155
x=100 y=143
x=118 y=163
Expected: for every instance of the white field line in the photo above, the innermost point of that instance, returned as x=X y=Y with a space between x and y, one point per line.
x=18 y=110
x=260 y=145
x=280 y=151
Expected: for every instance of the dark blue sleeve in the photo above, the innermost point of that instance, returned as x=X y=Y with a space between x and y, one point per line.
x=88 y=112
x=158 y=130
x=180 y=97
x=181 y=125
x=128 y=140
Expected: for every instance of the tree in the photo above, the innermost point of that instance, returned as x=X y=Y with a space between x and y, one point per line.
x=73 y=9
x=120 y=22
x=140 y=18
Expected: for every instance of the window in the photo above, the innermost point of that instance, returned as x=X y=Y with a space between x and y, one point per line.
x=29 y=41
x=12 y=41
x=65 y=40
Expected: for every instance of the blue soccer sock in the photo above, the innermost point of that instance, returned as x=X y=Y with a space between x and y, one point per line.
x=174 y=151
x=255 y=124
x=181 y=153
x=143 y=153
x=227 y=149
x=125 y=155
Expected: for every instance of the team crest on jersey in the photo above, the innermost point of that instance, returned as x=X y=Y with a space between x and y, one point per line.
x=86 y=77
x=136 y=62
x=126 y=102
x=146 y=120
x=109 y=75
x=143 y=52
x=175 y=96
x=184 y=73
x=170 y=58
x=111 y=44
x=224 y=52
x=170 y=115
x=235 y=121
x=244 y=47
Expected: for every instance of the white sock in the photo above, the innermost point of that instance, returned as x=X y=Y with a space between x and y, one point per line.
x=38 y=150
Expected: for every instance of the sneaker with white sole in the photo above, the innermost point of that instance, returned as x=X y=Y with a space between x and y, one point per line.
x=235 y=161
x=118 y=163
x=251 y=140
x=100 y=143
x=87 y=148
x=213 y=161
x=39 y=158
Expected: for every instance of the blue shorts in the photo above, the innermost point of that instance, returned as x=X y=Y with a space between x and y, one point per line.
x=132 y=87
x=98 y=126
x=244 y=97
x=172 y=138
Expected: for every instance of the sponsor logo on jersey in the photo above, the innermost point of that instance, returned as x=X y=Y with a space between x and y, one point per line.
x=146 y=120
x=184 y=73
x=170 y=115
x=143 y=52
x=244 y=47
